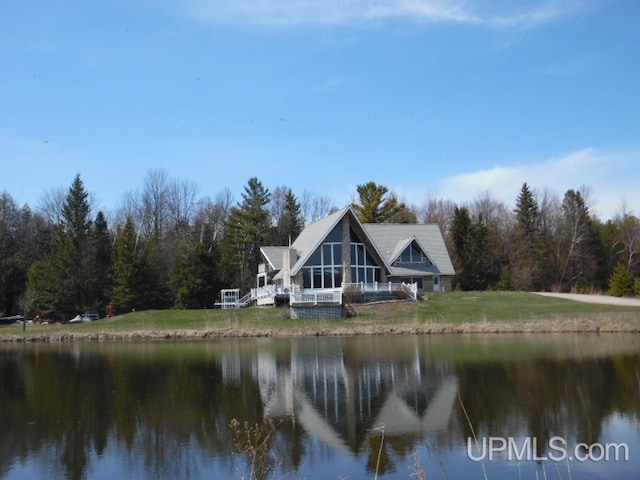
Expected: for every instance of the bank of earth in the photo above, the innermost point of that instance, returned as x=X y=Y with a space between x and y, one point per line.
x=446 y=312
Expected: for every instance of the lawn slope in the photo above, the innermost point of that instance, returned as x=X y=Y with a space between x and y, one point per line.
x=447 y=312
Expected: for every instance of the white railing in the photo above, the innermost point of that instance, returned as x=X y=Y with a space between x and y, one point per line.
x=267 y=291
x=318 y=297
x=244 y=301
x=325 y=296
x=263 y=292
x=379 y=287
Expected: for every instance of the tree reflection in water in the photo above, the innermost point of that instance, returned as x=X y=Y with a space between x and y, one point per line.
x=164 y=410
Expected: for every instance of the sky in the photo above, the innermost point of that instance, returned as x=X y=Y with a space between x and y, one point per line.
x=430 y=98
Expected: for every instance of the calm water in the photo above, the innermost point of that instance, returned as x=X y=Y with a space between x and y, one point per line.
x=396 y=406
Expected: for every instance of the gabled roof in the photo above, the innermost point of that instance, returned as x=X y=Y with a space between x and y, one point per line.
x=273 y=256
x=315 y=233
x=386 y=242
x=401 y=246
x=393 y=238
x=311 y=237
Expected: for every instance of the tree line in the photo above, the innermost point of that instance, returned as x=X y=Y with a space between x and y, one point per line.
x=165 y=247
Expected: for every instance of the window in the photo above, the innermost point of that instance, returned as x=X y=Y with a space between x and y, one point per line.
x=364 y=269
x=324 y=267
x=412 y=254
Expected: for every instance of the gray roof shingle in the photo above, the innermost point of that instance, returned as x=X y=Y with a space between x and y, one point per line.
x=393 y=238
x=389 y=240
x=274 y=256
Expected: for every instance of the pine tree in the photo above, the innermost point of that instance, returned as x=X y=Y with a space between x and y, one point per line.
x=621 y=283
x=527 y=215
x=126 y=270
x=472 y=258
x=526 y=262
x=195 y=277
x=100 y=262
x=246 y=231
x=374 y=206
x=290 y=223
x=461 y=233
x=63 y=279
x=576 y=241
x=76 y=229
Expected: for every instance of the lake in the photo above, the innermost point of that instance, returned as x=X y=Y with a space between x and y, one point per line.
x=399 y=407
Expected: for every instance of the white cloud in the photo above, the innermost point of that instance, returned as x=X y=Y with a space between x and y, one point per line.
x=286 y=13
x=611 y=176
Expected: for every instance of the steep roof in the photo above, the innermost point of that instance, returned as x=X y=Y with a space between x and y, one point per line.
x=274 y=256
x=393 y=238
x=388 y=241
x=312 y=236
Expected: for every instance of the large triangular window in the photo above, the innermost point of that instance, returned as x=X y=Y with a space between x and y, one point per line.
x=324 y=267
x=413 y=254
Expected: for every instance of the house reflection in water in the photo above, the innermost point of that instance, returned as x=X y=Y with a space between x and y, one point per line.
x=342 y=402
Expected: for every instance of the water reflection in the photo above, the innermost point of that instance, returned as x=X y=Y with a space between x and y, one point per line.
x=343 y=400
x=345 y=407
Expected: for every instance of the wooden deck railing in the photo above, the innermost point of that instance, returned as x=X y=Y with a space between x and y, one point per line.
x=319 y=297
x=400 y=289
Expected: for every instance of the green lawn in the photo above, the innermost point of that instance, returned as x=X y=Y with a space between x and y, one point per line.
x=440 y=312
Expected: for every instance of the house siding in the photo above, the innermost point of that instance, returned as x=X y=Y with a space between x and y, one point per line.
x=334 y=311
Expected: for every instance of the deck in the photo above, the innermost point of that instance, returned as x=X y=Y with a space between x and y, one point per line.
x=349 y=292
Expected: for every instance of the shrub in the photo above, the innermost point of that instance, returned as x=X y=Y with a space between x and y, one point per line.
x=621 y=282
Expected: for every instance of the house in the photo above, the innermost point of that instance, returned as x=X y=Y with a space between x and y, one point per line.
x=339 y=252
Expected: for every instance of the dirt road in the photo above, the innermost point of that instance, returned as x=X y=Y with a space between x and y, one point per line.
x=605 y=299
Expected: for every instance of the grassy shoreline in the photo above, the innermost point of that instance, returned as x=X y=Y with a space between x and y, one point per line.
x=441 y=313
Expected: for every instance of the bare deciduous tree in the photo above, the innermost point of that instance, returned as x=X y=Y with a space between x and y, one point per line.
x=181 y=203
x=212 y=216
x=50 y=204
x=439 y=211
x=277 y=205
x=314 y=206
x=154 y=203
x=627 y=241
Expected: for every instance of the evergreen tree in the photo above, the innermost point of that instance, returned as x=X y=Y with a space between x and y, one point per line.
x=621 y=283
x=526 y=269
x=375 y=206
x=290 y=224
x=246 y=231
x=126 y=270
x=8 y=249
x=527 y=216
x=101 y=262
x=601 y=256
x=195 y=277
x=576 y=242
x=76 y=229
x=461 y=233
x=154 y=275
x=472 y=258
x=63 y=279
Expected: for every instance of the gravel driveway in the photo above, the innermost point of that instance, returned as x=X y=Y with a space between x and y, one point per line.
x=605 y=299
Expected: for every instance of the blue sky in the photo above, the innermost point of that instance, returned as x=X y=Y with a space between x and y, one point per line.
x=427 y=97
